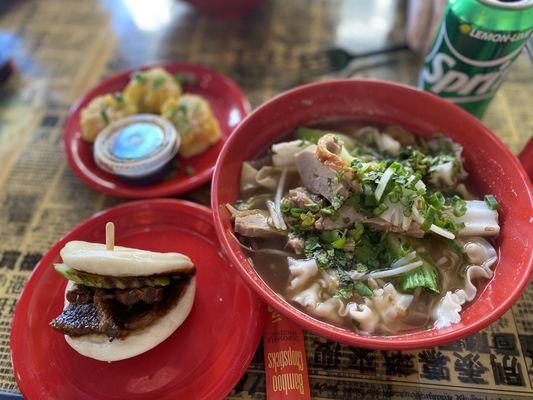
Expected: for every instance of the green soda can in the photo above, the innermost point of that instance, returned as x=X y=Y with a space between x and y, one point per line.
x=475 y=45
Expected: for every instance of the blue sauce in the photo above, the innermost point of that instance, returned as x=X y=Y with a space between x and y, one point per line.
x=137 y=141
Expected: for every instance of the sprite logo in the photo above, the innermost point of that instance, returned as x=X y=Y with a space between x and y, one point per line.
x=468 y=64
x=441 y=77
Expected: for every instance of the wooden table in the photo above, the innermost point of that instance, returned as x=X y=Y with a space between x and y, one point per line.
x=63 y=47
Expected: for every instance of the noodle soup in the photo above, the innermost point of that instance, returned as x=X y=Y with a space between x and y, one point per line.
x=366 y=227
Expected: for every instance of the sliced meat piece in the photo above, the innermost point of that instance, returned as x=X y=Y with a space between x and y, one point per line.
x=89 y=312
x=80 y=294
x=147 y=295
x=116 y=312
x=142 y=315
x=318 y=178
x=347 y=216
x=103 y=303
x=385 y=226
x=254 y=223
x=77 y=320
x=300 y=197
x=295 y=243
x=142 y=319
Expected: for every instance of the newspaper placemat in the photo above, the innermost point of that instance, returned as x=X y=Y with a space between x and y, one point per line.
x=61 y=48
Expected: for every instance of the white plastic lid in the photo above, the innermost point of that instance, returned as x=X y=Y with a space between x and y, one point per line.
x=136 y=146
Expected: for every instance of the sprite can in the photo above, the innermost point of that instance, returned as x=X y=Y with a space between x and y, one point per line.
x=475 y=45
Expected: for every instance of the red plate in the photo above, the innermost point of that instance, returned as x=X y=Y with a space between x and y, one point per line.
x=203 y=359
x=229 y=105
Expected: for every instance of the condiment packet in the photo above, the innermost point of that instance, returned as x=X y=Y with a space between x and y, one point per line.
x=285 y=361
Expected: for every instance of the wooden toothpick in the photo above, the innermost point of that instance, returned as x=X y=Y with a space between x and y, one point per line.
x=110 y=236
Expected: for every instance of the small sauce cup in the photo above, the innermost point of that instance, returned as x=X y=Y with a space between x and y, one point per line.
x=137 y=148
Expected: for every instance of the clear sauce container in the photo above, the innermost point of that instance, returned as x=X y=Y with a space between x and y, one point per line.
x=137 y=148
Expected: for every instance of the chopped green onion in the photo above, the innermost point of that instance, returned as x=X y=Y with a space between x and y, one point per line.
x=140 y=77
x=119 y=97
x=182 y=107
x=327 y=211
x=382 y=184
x=458 y=206
x=380 y=209
x=105 y=117
x=356 y=231
x=396 y=194
x=159 y=81
x=295 y=212
x=436 y=200
x=492 y=202
x=453 y=246
x=430 y=217
x=441 y=231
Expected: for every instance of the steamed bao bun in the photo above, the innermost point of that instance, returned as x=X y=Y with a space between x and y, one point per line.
x=149 y=89
x=101 y=111
x=194 y=120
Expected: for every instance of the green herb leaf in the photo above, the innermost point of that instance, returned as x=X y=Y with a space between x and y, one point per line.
x=426 y=276
x=344 y=293
x=312 y=244
x=362 y=289
x=307 y=220
x=339 y=243
x=353 y=201
x=361 y=268
x=347 y=291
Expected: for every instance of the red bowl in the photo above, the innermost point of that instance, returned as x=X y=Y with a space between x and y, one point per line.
x=492 y=167
x=227 y=101
x=226 y=8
